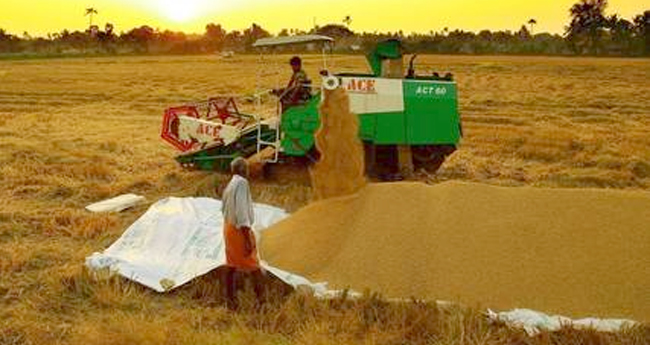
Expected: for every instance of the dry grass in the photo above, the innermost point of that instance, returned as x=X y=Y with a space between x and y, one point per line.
x=79 y=130
x=553 y=122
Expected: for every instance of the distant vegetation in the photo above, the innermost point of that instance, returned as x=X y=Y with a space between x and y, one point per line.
x=590 y=32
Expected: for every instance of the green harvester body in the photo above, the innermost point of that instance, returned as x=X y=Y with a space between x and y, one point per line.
x=427 y=114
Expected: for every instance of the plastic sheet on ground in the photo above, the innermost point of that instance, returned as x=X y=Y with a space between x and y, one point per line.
x=179 y=239
x=533 y=322
x=117 y=204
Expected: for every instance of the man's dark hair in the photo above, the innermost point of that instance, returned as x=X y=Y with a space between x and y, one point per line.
x=239 y=166
x=295 y=61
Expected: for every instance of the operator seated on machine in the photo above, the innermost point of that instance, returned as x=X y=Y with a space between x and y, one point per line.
x=298 y=91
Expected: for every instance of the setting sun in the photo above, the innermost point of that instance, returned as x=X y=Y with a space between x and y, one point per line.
x=181 y=11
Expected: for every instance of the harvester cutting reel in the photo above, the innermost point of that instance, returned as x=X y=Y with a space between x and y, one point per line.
x=203 y=125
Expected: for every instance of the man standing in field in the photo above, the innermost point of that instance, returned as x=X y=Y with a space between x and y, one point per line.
x=241 y=247
x=298 y=89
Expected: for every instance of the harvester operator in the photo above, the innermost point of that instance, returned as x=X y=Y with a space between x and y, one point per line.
x=241 y=249
x=298 y=90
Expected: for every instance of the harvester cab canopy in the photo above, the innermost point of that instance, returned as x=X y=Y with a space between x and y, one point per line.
x=289 y=40
x=283 y=41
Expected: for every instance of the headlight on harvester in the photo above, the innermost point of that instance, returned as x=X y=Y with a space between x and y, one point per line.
x=331 y=83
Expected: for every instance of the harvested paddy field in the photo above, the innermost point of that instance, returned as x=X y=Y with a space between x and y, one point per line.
x=570 y=252
x=76 y=131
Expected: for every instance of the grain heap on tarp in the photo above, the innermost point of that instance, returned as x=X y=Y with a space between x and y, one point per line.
x=572 y=252
x=340 y=170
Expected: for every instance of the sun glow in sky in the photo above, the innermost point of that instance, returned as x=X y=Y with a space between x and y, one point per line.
x=182 y=11
x=39 y=17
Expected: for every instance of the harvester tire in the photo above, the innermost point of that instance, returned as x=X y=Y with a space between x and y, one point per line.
x=431 y=157
x=381 y=162
x=290 y=170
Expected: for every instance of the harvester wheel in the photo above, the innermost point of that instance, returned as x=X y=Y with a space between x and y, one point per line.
x=381 y=162
x=431 y=157
x=290 y=170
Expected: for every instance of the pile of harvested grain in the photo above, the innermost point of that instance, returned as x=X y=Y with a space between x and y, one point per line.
x=574 y=252
x=340 y=170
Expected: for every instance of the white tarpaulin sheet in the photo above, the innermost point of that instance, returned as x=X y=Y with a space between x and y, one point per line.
x=117 y=204
x=533 y=321
x=179 y=239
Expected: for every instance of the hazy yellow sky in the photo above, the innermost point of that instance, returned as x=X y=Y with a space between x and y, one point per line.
x=39 y=17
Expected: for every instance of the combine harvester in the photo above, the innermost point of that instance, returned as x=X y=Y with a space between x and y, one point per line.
x=407 y=121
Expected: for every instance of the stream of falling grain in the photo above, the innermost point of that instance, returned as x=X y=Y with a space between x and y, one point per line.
x=341 y=169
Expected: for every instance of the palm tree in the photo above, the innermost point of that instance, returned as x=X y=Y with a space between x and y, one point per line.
x=347 y=20
x=532 y=22
x=91 y=11
x=588 y=25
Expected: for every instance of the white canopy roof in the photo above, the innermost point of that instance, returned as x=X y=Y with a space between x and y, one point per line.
x=286 y=40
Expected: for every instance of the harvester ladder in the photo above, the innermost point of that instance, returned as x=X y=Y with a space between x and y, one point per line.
x=262 y=144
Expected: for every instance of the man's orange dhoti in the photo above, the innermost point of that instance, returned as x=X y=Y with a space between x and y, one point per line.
x=235 y=242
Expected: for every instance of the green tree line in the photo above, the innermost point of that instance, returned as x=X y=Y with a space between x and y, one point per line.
x=590 y=32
